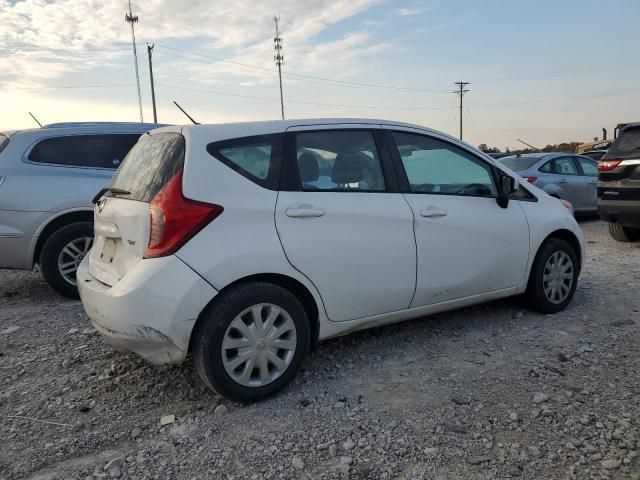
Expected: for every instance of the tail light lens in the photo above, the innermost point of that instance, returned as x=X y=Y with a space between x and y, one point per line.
x=606 y=165
x=531 y=179
x=176 y=219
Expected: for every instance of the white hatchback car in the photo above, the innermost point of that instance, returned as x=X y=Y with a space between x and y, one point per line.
x=247 y=243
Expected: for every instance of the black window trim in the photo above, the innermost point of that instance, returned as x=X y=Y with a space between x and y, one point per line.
x=405 y=186
x=25 y=156
x=273 y=180
x=291 y=181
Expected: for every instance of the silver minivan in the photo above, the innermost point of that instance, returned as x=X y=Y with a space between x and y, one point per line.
x=48 y=177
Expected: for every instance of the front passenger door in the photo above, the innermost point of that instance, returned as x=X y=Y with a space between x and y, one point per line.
x=467 y=245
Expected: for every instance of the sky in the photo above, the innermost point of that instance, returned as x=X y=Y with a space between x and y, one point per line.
x=543 y=71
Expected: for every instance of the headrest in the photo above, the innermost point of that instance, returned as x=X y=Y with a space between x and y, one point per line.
x=309 y=170
x=348 y=168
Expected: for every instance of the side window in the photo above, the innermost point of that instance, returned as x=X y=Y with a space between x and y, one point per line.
x=341 y=160
x=589 y=167
x=258 y=158
x=436 y=166
x=564 y=166
x=547 y=167
x=93 y=151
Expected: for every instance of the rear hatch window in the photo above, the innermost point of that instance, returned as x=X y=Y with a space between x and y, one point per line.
x=518 y=164
x=150 y=164
x=627 y=145
x=122 y=226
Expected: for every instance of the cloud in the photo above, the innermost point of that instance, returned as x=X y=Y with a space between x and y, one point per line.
x=409 y=12
x=241 y=29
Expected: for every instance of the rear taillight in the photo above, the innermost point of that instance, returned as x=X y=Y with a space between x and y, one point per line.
x=176 y=219
x=531 y=179
x=606 y=165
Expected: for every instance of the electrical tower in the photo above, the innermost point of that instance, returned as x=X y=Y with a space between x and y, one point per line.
x=279 y=59
x=130 y=18
x=460 y=92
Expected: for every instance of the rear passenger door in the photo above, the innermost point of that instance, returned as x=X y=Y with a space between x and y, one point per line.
x=342 y=222
x=570 y=181
x=589 y=171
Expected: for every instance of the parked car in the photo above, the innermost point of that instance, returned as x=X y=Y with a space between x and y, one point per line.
x=619 y=185
x=48 y=177
x=230 y=241
x=562 y=175
x=594 y=154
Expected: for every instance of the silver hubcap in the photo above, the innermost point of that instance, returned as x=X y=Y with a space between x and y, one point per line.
x=71 y=256
x=557 y=279
x=259 y=345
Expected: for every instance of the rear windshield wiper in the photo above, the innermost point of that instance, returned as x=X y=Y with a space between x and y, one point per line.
x=112 y=190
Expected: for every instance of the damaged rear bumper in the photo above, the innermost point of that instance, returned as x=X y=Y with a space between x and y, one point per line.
x=151 y=311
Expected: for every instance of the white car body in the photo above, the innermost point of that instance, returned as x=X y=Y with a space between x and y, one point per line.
x=370 y=259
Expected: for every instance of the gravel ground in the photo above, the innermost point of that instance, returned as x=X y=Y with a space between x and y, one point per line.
x=493 y=391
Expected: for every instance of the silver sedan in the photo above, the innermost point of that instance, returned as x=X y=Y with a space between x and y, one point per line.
x=562 y=175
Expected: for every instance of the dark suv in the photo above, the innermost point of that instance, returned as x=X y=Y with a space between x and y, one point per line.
x=619 y=185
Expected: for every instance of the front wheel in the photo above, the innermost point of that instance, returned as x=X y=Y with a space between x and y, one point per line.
x=553 y=277
x=251 y=341
x=61 y=255
x=623 y=234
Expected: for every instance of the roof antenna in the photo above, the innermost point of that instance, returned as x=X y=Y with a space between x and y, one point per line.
x=34 y=117
x=183 y=111
x=530 y=146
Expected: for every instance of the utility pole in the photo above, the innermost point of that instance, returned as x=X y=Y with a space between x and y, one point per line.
x=153 y=91
x=130 y=18
x=460 y=92
x=279 y=59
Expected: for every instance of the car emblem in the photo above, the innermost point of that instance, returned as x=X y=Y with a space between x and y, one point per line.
x=100 y=204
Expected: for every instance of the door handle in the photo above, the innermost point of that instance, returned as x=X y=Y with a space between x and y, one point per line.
x=304 y=212
x=433 y=212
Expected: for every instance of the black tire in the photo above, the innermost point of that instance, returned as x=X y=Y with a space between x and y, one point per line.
x=212 y=327
x=623 y=234
x=535 y=289
x=51 y=251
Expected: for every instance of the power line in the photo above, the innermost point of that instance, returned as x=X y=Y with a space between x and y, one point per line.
x=460 y=92
x=302 y=76
x=274 y=99
x=56 y=87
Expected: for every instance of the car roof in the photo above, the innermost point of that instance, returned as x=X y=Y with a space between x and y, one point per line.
x=206 y=132
x=93 y=127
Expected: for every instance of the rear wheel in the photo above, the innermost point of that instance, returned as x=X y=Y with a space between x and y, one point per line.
x=61 y=255
x=553 y=277
x=251 y=341
x=623 y=234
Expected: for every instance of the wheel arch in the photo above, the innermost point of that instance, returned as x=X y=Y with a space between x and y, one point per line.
x=57 y=223
x=569 y=237
x=295 y=287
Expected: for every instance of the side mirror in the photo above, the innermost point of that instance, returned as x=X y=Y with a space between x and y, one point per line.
x=507 y=186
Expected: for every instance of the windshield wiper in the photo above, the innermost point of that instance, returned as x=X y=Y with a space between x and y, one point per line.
x=112 y=190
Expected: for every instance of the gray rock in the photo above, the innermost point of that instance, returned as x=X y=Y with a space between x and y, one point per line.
x=346 y=460
x=478 y=459
x=431 y=451
x=348 y=445
x=135 y=433
x=456 y=427
x=221 y=410
x=297 y=462
x=611 y=464
x=540 y=397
